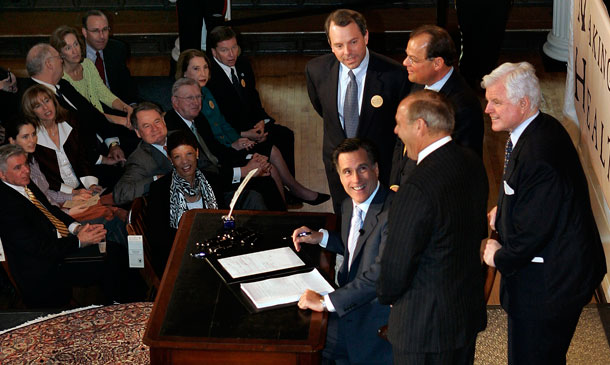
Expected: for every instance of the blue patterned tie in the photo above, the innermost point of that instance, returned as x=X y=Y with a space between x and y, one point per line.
x=507 y=151
x=350 y=107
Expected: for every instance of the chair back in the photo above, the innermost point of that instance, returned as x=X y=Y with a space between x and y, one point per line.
x=137 y=226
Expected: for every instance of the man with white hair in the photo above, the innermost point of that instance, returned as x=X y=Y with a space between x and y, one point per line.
x=548 y=248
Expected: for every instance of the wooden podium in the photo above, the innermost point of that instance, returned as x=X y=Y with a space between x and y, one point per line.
x=196 y=318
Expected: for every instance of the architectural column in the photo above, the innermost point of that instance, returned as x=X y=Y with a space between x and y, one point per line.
x=557 y=43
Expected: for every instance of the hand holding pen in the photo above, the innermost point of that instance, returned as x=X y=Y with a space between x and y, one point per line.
x=305 y=235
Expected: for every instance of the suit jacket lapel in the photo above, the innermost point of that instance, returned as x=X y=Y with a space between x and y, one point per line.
x=370 y=221
x=514 y=157
x=333 y=89
x=372 y=84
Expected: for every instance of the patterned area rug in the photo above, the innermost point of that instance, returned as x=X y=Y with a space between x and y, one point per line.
x=102 y=335
x=113 y=335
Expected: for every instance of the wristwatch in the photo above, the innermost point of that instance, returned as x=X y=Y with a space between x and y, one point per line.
x=323 y=302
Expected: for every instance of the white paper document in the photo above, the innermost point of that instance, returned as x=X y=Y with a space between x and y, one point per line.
x=261 y=262
x=286 y=289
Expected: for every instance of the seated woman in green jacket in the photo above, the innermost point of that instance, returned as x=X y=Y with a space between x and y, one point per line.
x=81 y=73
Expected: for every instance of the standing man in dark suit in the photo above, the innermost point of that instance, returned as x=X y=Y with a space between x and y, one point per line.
x=233 y=85
x=430 y=61
x=549 y=250
x=369 y=98
x=38 y=236
x=431 y=265
x=109 y=56
x=355 y=313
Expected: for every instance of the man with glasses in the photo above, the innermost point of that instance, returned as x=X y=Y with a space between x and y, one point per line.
x=109 y=56
x=232 y=165
x=431 y=56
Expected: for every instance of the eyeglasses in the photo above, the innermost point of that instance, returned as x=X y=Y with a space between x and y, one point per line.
x=104 y=30
x=412 y=60
x=50 y=57
x=191 y=98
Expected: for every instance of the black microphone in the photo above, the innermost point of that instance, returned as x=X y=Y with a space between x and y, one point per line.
x=361 y=231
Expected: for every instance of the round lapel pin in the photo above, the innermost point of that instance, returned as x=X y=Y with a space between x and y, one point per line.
x=376 y=101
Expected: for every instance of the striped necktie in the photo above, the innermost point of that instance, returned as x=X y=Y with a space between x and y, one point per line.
x=61 y=227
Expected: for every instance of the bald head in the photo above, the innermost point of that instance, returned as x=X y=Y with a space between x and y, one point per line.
x=44 y=63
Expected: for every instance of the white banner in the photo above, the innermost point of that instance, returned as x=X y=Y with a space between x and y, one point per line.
x=591 y=28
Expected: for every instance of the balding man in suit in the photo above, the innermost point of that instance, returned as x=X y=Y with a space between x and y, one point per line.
x=431 y=266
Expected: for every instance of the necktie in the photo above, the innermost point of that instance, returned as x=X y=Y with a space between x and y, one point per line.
x=59 y=94
x=507 y=151
x=204 y=147
x=59 y=225
x=99 y=64
x=350 y=107
x=354 y=233
x=236 y=84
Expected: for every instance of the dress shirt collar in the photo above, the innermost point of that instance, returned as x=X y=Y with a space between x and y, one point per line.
x=432 y=147
x=91 y=53
x=517 y=132
x=45 y=140
x=160 y=148
x=437 y=86
x=50 y=86
x=19 y=189
x=364 y=206
x=226 y=68
x=189 y=123
x=359 y=72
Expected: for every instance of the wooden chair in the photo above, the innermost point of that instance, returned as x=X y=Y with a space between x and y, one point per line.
x=137 y=226
x=17 y=301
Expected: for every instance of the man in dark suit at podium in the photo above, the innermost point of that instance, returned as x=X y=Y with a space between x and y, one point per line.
x=549 y=250
x=356 y=92
x=355 y=313
x=431 y=266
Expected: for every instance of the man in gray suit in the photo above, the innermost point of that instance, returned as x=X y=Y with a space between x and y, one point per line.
x=355 y=314
x=149 y=162
x=431 y=267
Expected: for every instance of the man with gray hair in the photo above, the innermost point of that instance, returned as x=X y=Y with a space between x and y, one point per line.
x=547 y=246
x=430 y=267
x=38 y=236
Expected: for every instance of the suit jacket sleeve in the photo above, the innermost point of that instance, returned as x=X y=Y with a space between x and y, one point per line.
x=26 y=229
x=536 y=205
x=140 y=169
x=399 y=261
x=361 y=290
x=313 y=93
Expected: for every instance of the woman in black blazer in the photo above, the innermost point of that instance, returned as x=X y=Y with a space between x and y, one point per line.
x=59 y=152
